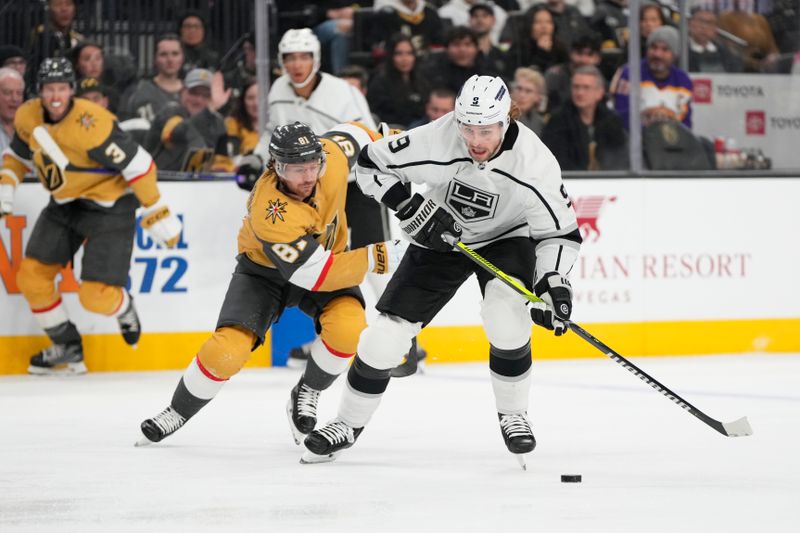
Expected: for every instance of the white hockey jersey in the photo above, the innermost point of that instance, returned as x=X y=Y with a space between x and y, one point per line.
x=333 y=101
x=517 y=193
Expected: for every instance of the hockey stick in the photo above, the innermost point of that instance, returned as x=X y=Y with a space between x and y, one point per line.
x=737 y=428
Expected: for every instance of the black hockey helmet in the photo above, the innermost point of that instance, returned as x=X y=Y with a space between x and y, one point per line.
x=55 y=69
x=295 y=143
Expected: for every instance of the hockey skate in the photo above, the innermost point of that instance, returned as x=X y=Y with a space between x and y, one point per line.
x=326 y=443
x=518 y=435
x=161 y=426
x=298 y=356
x=129 y=324
x=66 y=359
x=301 y=410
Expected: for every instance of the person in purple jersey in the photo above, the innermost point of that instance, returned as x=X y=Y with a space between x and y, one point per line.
x=666 y=90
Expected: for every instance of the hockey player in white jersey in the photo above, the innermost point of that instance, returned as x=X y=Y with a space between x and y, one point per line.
x=305 y=94
x=492 y=183
x=321 y=101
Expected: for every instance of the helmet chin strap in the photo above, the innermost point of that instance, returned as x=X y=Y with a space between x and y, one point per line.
x=307 y=80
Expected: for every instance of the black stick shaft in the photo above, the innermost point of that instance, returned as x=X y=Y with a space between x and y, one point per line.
x=738 y=428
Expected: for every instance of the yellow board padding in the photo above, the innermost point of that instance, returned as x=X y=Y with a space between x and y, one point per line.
x=468 y=343
x=452 y=344
x=109 y=353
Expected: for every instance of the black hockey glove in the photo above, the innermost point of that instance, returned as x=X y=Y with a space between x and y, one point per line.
x=426 y=222
x=556 y=292
x=250 y=169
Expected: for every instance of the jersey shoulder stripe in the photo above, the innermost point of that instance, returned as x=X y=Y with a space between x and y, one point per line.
x=536 y=192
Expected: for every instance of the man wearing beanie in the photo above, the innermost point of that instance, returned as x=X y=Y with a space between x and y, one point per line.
x=666 y=90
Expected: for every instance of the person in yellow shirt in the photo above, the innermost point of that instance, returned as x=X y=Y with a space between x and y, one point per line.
x=292 y=252
x=242 y=123
x=97 y=177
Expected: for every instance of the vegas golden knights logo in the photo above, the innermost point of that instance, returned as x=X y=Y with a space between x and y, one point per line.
x=49 y=174
x=199 y=160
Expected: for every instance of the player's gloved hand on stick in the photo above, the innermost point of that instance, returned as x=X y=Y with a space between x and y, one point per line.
x=384 y=257
x=250 y=169
x=426 y=222
x=6 y=199
x=162 y=226
x=556 y=292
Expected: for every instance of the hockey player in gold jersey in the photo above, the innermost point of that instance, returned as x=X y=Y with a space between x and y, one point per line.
x=292 y=252
x=97 y=177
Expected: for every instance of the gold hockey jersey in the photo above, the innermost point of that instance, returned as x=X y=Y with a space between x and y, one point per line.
x=102 y=161
x=306 y=241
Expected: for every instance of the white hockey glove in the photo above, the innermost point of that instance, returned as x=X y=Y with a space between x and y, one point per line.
x=556 y=292
x=162 y=226
x=6 y=199
x=426 y=222
x=385 y=257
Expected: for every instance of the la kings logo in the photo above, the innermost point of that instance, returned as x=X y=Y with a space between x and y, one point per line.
x=470 y=204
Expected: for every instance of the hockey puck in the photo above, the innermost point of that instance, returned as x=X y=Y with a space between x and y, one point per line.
x=570 y=478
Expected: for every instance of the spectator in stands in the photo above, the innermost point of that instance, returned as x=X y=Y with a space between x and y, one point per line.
x=538 y=44
x=190 y=136
x=530 y=94
x=569 y=22
x=242 y=124
x=584 y=134
x=585 y=50
x=397 y=91
x=414 y=18
x=610 y=21
x=197 y=54
x=666 y=90
x=12 y=89
x=357 y=76
x=459 y=62
x=460 y=13
x=334 y=32
x=650 y=18
x=706 y=53
x=92 y=89
x=148 y=97
x=482 y=21
x=761 y=52
x=440 y=102
x=585 y=7
x=87 y=58
x=13 y=57
x=244 y=70
x=55 y=38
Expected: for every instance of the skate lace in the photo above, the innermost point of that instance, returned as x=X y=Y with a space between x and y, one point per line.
x=337 y=432
x=169 y=420
x=307 y=399
x=53 y=353
x=515 y=426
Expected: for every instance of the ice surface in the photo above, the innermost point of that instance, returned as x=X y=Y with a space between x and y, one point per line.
x=432 y=459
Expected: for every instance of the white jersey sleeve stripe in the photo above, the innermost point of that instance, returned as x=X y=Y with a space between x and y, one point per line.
x=311 y=274
x=138 y=166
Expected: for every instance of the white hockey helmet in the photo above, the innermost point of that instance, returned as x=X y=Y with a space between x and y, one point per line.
x=483 y=100
x=300 y=40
